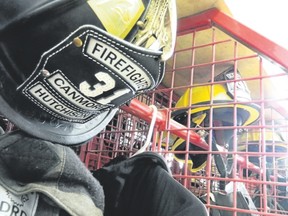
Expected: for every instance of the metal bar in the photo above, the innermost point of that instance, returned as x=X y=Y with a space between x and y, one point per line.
x=188 y=24
x=144 y=112
x=236 y=30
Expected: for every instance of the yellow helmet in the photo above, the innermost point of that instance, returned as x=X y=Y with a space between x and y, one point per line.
x=218 y=98
x=254 y=139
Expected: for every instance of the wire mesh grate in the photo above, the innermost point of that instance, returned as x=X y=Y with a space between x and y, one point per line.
x=224 y=137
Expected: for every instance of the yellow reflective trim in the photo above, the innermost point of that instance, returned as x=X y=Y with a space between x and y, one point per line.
x=190 y=163
x=199 y=119
x=117 y=16
x=253 y=110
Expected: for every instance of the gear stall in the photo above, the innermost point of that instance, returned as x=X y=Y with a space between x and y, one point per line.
x=220 y=122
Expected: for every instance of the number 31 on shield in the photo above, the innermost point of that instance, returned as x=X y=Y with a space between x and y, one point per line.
x=107 y=84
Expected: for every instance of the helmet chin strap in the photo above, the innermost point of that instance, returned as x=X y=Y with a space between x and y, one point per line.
x=220 y=164
x=224 y=167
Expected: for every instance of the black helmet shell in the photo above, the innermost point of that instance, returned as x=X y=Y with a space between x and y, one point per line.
x=62 y=75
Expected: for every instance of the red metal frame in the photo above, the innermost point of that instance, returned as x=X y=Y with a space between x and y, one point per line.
x=99 y=152
x=235 y=29
x=144 y=112
x=252 y=39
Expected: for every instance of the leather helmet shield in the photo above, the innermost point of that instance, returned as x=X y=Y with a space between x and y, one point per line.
x=62 y=75
x=76 y=82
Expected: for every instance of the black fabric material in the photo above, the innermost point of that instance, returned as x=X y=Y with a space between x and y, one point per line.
x=143 y=186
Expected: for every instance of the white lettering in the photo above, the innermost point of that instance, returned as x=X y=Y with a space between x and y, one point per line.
x=40 y=93
x=124 y=67
x=69 y=92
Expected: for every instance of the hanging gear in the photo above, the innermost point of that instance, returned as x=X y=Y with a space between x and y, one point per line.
x=278 y=205
x=253 y=141
x=66 y=66
x=222 y=96
x=225 y=198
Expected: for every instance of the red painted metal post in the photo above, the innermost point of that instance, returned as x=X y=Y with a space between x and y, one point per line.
x=144 y=112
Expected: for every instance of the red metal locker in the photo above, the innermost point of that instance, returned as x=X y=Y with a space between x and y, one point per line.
x=224 y=135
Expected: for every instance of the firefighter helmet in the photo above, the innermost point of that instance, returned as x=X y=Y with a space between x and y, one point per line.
x=66 y=66
x=254 y=140
x=212 y=105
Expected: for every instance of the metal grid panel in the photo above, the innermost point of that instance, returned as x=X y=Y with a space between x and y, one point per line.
x=257 y=151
